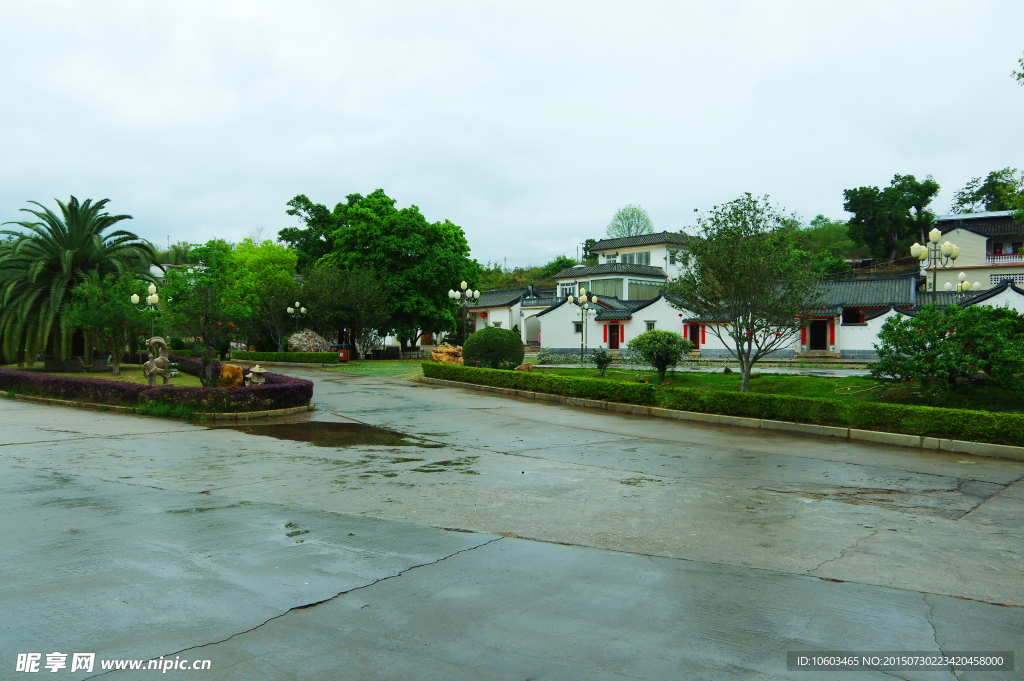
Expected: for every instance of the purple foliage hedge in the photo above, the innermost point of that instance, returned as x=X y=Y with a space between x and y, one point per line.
x=279 y=391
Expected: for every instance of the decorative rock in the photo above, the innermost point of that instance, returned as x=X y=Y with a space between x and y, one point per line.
x=525 y=366
x=308 y=341
x=447 y=354
x=230 y=376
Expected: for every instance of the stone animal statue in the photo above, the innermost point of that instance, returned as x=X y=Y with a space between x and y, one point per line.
x=158 y=364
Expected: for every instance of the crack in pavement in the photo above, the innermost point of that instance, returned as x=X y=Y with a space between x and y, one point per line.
x=842 y=554
x=307 y=606
x=935 y=633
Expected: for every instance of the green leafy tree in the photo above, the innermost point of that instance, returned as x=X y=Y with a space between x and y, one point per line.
x=943 y=345
x=742 y=278
x=202 y=299
x=1000 y=190
x=659 y=349
x=415 y=262
x=887 y=220
x=40 y=268
x=175 y=254
x=589 y=258
x=265 y=286
x=317 y=239
x=630 y=220
x=352 y=300
x=103 y=309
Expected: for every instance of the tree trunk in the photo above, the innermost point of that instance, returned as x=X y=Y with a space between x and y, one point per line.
x=745 y=385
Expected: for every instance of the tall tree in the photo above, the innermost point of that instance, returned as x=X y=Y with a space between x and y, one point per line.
x=264 y=276
x=740 y=277
x=1000 y=190
x=885 y=220
x=630 y=220
x=104 y=310
x=317 y=239
x=39 y=269
x=202 y=300
x=415 y=262
x=589 y=258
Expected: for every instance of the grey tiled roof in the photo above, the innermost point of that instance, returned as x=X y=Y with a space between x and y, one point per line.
x=614 y=268
x=672 y=238
x=628 y=309
x=499 y=298
x=880 y=292
x=994 y=223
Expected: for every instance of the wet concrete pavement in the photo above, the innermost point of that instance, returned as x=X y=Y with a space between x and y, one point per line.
x=493 y=538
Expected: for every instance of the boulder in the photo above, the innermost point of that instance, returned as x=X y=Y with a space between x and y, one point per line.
x=308 y=341
x=447 y=354
x=230 y=376
x=525 y=366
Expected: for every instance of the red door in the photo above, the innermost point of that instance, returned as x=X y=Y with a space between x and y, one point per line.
x=694 y=336
x=613 y=336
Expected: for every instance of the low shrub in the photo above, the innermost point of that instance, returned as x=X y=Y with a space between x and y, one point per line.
x=298 y=357
x=937 y=422
x=279 y=391
x=493 y=348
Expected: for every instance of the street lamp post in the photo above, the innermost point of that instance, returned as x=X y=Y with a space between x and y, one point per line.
x=152 y=300
x=586 y=309
x=935 y=255
x=464 y=297
x=296 y=312
x=963 y=286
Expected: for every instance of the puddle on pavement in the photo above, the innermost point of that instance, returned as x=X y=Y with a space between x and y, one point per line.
x=330 y=434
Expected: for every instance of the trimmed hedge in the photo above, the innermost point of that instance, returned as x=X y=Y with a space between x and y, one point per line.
x=588 y=388
x=951 y=424
x=279 y=392
x=299 y=357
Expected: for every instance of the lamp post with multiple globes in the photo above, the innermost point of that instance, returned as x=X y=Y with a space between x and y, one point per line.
x=963 y=286
x=296 y=312
x=464 y=297
x=152 y=300
x=935 y=255
x=587 y=307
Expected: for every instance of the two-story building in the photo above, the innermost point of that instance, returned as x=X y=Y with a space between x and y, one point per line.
x=991 y=249
x=628 y=268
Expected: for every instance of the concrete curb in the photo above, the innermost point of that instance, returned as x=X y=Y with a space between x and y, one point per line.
x=212 y=416
x=895 y=439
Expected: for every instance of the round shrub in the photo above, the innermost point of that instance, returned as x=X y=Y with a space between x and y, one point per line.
x=660 y=349
x=493 y=348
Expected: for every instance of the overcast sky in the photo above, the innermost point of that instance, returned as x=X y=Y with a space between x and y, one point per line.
x=527 y=124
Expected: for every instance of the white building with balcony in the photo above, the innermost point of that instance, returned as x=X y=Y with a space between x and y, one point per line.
x=991 y=249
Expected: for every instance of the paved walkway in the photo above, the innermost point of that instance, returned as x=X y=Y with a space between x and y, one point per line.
x=492 y=538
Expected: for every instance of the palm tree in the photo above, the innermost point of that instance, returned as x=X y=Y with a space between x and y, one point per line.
x=39 y=269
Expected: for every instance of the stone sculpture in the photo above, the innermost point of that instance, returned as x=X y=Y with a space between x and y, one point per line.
x=308 y=341
x=230 y=376
x=158 y=363
x=447 y=354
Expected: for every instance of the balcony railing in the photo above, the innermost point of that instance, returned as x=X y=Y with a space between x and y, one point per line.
x=1005 y=259
x=538 y=302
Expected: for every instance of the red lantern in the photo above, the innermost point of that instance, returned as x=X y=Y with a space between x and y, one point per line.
x=483 y=315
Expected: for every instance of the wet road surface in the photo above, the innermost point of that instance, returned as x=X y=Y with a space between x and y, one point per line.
x=409 y=531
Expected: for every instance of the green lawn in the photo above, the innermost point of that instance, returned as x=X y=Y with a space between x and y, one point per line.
x=848 y=388
x=409 y=369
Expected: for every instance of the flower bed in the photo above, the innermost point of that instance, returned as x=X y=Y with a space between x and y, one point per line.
x=936 y=422
x=279 y=391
